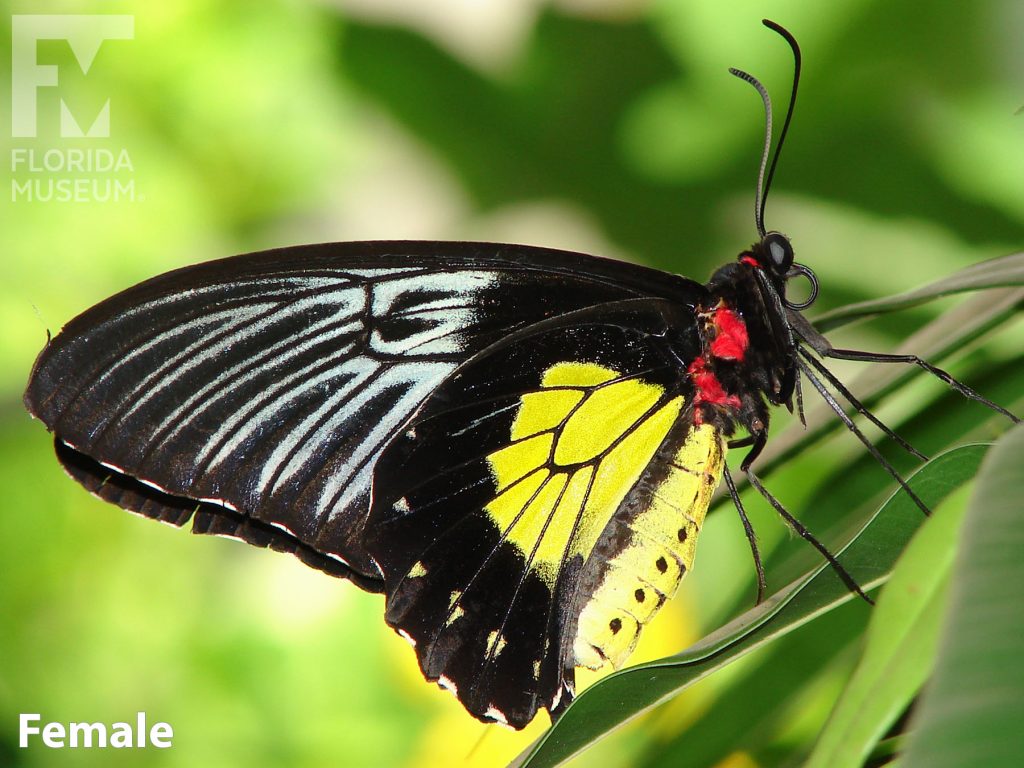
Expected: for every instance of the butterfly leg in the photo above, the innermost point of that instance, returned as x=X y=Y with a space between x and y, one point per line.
x=835 y=406
x=762 y=583
x=760 y=439
x=877 y=357
x=743 y=442
x=832 y=379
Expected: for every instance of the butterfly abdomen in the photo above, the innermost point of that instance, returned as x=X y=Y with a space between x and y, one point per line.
x=649 y=546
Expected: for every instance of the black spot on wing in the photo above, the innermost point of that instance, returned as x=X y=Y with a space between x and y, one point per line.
x=395 y=328
x=412 y=302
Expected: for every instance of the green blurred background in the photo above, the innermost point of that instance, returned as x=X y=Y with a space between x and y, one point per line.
x=607 y=126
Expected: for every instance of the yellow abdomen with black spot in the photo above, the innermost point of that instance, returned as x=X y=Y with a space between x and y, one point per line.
x=660 y=543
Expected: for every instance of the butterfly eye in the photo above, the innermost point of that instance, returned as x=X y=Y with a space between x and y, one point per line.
x=779 y=250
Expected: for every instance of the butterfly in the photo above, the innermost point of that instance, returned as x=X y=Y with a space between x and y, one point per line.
x=516 y=445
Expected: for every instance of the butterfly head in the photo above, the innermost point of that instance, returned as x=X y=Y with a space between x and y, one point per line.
x=773 y=255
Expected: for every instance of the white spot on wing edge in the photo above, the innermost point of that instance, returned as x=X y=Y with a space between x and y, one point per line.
x=448 y=685
x=407 y=637
x=153 y=485
x=565 y=687
x=285 y=528
x=219 y=502
x=495 y=714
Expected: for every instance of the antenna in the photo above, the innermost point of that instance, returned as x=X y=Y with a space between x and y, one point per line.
x=759 y=195
x=763 y=185
x=792 y=102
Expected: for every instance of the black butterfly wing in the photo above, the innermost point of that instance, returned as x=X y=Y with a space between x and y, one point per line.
x=490 y=505
x=256 y=393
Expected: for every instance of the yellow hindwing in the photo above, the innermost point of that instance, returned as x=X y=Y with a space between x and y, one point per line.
x=576 y=448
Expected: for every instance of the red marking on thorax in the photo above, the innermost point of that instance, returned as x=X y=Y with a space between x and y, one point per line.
x=731 y=340
x=708 y=388
x=747 y=259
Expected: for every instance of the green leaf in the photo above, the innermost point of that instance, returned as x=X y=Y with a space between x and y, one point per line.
x=900 y=648
x=994 y=273
x=971 y=712
x=761 y=697
x=869 y=557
